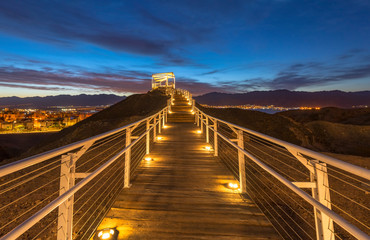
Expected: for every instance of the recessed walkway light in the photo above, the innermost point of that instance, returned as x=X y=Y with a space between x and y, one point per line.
x=148 y=158
x=108 y=233
x=199 y=131
x=233 y=185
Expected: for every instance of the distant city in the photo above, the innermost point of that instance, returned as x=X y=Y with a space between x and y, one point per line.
x=266 y=109
x=19 y=120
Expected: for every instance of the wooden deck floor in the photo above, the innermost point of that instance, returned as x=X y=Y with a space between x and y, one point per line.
x=182 y=194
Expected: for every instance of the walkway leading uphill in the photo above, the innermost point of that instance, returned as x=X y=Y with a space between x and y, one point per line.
x=183 y=194
x=167 y=176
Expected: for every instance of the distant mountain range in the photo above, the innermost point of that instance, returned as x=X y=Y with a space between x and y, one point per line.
x=60 y=100
x=286 y=98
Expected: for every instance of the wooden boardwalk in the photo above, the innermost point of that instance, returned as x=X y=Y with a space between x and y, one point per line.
x=182 y=194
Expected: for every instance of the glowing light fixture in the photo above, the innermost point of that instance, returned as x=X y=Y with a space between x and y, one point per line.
x=108 y=233
x=199 y=131
x=165 y=126
x=148 y=159
x=159 y=138
x=233 y=185
x=208 y=148
x=169 y=112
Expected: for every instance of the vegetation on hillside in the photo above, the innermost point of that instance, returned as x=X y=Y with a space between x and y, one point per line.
x=344 y=131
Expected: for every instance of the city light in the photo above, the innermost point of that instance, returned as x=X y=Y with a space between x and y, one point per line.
x=260 y=107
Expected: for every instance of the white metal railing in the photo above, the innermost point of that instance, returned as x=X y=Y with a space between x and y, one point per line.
x=295 y=187
x=84 y=177
x=250 y=165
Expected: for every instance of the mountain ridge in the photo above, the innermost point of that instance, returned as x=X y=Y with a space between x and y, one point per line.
x=60 y=100
x=286 y=98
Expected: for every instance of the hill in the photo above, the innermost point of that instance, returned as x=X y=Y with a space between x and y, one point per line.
x=286 y=98
x=60 y=100
x=131 y=109
x=343 y=131
x=357 y=116
x=273 y=125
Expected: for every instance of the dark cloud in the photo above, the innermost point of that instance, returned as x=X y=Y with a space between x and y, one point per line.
x=162 y=29
x=32 y=87
x=212 y=72
x=309 y=75
x=128 y=81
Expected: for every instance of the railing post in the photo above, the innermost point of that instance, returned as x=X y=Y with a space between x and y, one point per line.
x=155 y=129
x=241 y=159
x=207 y=129
x=127 y=159
x=65 y=211
x=159 y=124
x=166 y=115
x=324 y=224
x=169 y=104
x=163 y=118
x=215 y=140
x=147 y=137
x=201 y=122
x=193 y=105
x=198 y=118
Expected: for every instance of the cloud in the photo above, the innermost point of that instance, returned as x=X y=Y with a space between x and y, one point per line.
x=37 y=87
x=168 y=32
x=196 y=87
x=308 y=75
x=119 y=28
x=116 y=81
x=54 y=79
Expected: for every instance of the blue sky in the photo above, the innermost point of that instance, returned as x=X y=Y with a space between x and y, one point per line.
x=73 y=47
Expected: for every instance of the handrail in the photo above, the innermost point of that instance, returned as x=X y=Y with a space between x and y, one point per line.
x=27 y=162
x=359 y=171
x=317 y=203
x=23 y=227
x=337 y=218
x=63 y=197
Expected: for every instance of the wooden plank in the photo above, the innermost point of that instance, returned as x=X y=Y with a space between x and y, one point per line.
x=182 y=194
